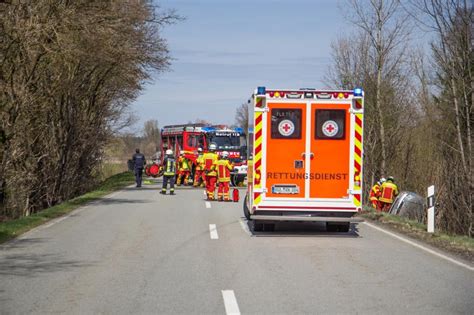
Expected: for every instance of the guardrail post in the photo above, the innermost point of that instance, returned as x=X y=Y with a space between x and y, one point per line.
x=431 y=209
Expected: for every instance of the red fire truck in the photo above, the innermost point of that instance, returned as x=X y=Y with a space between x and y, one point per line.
x=189 y=137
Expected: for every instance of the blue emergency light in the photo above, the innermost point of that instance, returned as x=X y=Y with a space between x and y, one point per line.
x=261 y=90
x=208 y=129
x=358 y=92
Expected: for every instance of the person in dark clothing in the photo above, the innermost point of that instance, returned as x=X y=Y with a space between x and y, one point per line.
x=169 y=172
x=138 y=165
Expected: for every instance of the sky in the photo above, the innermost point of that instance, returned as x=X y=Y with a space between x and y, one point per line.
x=224 y=49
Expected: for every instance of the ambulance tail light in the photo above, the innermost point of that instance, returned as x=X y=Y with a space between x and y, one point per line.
x=357 y=180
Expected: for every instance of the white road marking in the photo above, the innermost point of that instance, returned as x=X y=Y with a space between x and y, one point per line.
x=208 y=205
x=245 y=227
x=213 y=232
x=454 y=261
x=204 y=193
x=230 y=302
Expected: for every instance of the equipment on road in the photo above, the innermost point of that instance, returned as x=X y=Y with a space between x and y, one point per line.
x=306 y=149
x=235 y=195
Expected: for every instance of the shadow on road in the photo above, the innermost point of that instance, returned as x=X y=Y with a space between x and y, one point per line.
x=302 y=229
x=32 y=264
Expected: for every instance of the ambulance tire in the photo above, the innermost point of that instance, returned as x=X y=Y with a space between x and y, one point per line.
x=341 y=227
x=246 y=209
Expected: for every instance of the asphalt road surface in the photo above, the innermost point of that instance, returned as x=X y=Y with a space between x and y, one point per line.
x=137 y=251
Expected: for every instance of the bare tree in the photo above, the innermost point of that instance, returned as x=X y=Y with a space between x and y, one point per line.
x=242 y=117
x=68 y=73
x=452 y=24
x=386 y=30
x=375 y=57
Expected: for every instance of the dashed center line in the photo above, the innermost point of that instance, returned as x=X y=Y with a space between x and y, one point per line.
x=230 y=302
x=213 y=232
x=208 y=205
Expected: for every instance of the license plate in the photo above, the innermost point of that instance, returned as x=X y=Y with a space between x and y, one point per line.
x=285 y=189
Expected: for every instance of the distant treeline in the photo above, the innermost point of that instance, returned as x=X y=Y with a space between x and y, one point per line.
x=68 y=72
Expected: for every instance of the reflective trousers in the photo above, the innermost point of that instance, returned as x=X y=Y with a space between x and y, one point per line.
x=168 y=179
x=223 y=191
x=199 y=178
x=183 y=177
x=210 y=186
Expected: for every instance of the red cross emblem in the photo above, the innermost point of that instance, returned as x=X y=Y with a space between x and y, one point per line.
x=286 y=127
x=330 y=128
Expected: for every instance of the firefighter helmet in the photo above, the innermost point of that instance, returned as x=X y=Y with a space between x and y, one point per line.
x=199 y=149
x=212 y=147
x=169 y=152
x=225 y=154
x=390 y=178
x=383 y=180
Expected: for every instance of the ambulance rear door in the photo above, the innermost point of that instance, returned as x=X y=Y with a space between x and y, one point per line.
x=307 y=150
x=329 y=150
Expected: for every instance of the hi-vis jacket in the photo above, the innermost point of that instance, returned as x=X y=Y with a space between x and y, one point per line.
x=210 y=161
x=200 y=162
x=389 y=192
x=184 y=164
x=375 y=192
x=169 y=166
x=224 y=167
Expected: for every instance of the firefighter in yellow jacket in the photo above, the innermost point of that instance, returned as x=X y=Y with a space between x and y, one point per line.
x=199 y=178
x=389 y=191
x=224 y=167
x=184 y=170
x=210 y=160
x=375 y=193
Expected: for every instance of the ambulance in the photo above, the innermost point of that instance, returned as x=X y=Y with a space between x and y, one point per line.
x=305 y=157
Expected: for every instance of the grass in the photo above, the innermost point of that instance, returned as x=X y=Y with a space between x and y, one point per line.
x=13 y=228
x=457 y=244
x=110 y=169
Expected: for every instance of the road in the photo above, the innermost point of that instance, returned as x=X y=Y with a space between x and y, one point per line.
x=137 y=251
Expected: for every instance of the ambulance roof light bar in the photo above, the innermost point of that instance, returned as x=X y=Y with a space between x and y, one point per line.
x=358 y=91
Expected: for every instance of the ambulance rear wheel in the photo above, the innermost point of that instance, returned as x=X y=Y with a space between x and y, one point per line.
x=246 y=209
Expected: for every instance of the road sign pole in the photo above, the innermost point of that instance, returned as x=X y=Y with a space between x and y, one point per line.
x=431 y=209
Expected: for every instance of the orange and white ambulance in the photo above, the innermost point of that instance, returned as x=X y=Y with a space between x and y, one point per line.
x=305 y=157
